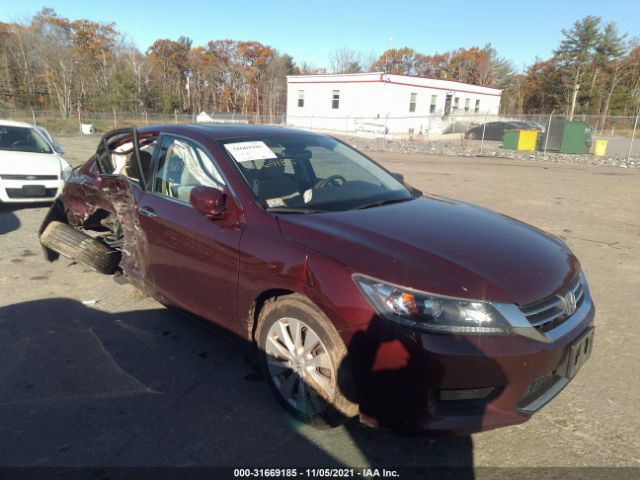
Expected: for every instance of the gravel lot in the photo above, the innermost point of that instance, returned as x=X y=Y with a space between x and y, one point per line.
x=616 y=155
x=93 y=374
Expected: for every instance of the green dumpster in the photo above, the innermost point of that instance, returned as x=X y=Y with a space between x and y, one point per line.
x=576 y=138
x=510 y=139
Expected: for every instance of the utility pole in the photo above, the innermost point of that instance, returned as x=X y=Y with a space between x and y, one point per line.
x=386 y=53
x=573 y=101
x=188 y=90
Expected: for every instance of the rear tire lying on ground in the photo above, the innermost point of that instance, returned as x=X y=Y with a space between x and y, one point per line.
x=72 y=243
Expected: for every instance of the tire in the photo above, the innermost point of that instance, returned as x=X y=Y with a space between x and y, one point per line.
x=72 y=243
x=324 y=398
x=472 y=135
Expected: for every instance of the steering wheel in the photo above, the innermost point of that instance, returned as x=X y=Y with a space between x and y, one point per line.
x=332 y=181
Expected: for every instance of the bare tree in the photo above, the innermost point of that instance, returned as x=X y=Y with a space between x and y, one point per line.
x=344 y=60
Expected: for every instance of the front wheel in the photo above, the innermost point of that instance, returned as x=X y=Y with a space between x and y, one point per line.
x=303 y=359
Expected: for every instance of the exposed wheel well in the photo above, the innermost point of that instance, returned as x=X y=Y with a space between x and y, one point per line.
x=257 y=305
x=95 y=219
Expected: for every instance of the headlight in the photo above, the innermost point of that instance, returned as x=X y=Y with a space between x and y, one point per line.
x=66 y=173
x=432 y=313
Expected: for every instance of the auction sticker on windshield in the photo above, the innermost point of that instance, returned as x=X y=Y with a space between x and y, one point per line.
x=249 y=151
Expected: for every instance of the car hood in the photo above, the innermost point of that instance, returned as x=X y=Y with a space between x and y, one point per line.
x=441 y=246
x=29 y=163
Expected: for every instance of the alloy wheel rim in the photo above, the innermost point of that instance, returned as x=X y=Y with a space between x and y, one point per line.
x=300 y=366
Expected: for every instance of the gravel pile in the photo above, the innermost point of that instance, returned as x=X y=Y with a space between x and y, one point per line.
x=465 y=148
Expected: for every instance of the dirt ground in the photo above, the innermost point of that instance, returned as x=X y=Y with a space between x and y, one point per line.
x=93 y=374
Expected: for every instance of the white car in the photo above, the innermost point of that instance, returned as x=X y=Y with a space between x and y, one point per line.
x=31 y=168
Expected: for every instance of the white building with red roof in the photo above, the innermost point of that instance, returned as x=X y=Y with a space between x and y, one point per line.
x=378 y=102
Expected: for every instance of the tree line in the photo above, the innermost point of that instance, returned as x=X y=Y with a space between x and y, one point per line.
x=52 y=62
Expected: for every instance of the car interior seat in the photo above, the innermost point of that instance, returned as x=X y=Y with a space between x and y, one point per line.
x=272 y=182
x=133 y=170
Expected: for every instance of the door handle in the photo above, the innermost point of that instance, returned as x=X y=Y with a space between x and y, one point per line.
x=148 y=212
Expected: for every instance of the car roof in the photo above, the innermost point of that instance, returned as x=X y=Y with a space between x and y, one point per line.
x=12 y=123
x=226 y=131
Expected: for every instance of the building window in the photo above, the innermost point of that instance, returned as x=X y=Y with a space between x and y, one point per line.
x=412 y=102
x=300 y=98
x=335 y=99
x=467 y=102
x=456 y=104
x=477 y=109
x=434 y=101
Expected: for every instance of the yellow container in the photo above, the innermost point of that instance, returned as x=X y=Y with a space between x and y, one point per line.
x=527 y=140
x=600 y=147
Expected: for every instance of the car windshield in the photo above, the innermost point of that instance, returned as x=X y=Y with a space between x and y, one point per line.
x=311 y=173
x=22 y=139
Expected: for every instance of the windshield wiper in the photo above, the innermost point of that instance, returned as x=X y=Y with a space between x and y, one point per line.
x=294 y=210
x=378 y=203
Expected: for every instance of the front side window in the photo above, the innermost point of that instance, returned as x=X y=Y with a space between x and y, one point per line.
x=300 y=98
x=412 y=102
x=23 y=139
x=311 y=173
x=335 y=99
x=183 y=166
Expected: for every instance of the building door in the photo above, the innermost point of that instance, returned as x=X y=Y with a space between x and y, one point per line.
x=447 y=103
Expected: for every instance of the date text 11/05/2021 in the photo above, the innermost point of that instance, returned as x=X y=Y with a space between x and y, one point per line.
x=315 y=472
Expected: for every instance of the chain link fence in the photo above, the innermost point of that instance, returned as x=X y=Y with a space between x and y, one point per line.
x=584 y=134
x=555 y=133
x=100 y=122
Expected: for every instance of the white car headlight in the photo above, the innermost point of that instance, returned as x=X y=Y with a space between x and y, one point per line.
x=432 y=313
x=66 y=169
x=66 y=173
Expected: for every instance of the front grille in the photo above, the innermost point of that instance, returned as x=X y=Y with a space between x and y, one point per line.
x=20 y=193
x=29 y=177
x=552 y=312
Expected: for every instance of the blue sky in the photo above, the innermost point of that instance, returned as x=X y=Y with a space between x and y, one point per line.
x=310 y=30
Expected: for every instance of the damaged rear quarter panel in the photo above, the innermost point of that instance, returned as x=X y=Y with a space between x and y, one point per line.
x=87 y=192
x=120 y=196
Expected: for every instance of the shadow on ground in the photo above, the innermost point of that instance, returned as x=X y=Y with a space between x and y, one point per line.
x=8 y=220
x=81 y=387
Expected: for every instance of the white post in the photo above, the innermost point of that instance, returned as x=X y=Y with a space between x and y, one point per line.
x=386 y=117
x=175 y=115
x=633 y=134
x=33 y=114
x=484 y=126
x=146 y=119
x=115 y=120
x=546 y=134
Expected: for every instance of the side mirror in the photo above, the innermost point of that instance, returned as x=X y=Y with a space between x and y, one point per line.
x=58 y=149
x=398 y=175
x=208 y=201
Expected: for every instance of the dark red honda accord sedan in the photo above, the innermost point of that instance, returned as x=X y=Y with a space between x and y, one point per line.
x=362 y=295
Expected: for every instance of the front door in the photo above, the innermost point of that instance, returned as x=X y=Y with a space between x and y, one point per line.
x=190 y=260
x=447 y=104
